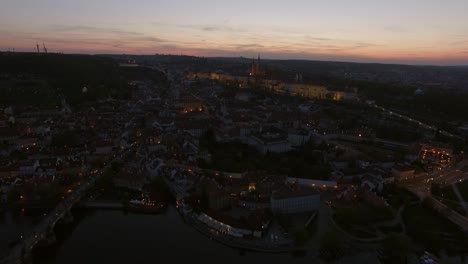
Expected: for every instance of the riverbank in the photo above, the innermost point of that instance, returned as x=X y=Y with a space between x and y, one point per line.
x=26 y=205
x=238 y=243
x=115 y=236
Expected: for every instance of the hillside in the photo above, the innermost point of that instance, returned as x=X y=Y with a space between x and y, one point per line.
x=29 y=78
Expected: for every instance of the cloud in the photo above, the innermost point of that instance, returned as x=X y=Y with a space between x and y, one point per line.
x=221 y=28
x=395 y=29
x=258 y=38
x=322 y=44
x=208 y=40
x=91 y=37
x=149 y=39
x=249 y=45
x=458 y=43
x=210 y=28
x=310 y=38
x=91 y=30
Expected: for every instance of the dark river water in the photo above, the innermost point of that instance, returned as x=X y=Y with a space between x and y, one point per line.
x=106 y=236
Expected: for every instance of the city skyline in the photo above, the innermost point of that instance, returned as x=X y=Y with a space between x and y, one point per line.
x=420 y=32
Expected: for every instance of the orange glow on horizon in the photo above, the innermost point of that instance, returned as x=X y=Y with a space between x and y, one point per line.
x=388 y=31
x=381 y=55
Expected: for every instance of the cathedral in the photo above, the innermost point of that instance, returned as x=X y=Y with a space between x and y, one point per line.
x=256 y=69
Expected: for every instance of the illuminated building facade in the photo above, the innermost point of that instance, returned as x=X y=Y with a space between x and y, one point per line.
x=256 y=68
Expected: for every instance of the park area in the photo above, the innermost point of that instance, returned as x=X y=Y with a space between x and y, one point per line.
x=431 y=229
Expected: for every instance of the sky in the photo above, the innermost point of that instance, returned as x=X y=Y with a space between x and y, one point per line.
x=387 y=31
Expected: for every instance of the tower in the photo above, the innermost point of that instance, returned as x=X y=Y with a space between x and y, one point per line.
x=255 y=68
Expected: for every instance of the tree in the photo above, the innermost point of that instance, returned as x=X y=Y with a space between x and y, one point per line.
x=436 y=189
x=208 y=140
x=16 y=154
x=356 y=180
x=331 y=245
x=204 y=199
x=300 y=236
x=116 y=165
x=50 y=193
x=428 y=203
x=396 y=247
x=12 y=196
x=97 y=163
x=66 y=138
x=285 y=221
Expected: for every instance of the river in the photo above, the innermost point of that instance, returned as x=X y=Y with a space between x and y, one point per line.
x=107 y=236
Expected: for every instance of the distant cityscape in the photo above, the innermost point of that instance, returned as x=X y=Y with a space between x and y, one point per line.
x=258 y=155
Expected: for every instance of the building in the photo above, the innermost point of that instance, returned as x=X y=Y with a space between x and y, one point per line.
x=129 y=179
x=164 y=124
x=289 y=201
x=306 y=90
x=403 y=172
x=104 y=148
x=217 y=198
x=8 y=135
x=271 y=140
x=26 y=142
x=463 y=130
x=8 y=172
x=298 y=137
x=254 y=224
x=256 y=68
x=312 y=183
x=28 y=167
x=441 y=156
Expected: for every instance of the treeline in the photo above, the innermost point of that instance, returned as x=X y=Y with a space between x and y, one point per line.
x=306 y=162
x=43 y=79
x=434 y=103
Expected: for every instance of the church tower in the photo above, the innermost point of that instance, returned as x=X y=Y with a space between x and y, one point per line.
x=255 y=68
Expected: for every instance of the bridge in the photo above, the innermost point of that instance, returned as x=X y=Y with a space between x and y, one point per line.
x=451 y=215
x=45 y=228
x=22 y=252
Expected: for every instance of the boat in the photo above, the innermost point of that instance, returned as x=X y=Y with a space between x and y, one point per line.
x=144 y=206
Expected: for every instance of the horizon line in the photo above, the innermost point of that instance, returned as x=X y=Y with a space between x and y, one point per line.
x=234 y=57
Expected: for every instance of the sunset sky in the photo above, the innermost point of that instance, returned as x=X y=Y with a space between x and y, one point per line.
x=396 y=31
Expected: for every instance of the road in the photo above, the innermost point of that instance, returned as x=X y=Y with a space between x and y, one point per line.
x=452 y=174
x=453 y=216
x=460 y=197
x=422 y=188
x=420 y=123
